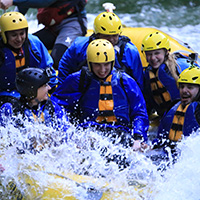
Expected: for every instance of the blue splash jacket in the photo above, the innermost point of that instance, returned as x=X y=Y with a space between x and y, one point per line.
x=129 y=104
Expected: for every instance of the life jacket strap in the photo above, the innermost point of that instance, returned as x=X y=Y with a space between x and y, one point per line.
x=176 y=131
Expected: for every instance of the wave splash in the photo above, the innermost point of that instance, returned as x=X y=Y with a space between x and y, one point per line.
x=85 y=155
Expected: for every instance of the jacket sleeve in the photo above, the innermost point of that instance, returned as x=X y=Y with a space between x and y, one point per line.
x=24 y=5
x=138 y=112
x=131 y=58
x=72 y=58
x=67 y=94
x=46 y=60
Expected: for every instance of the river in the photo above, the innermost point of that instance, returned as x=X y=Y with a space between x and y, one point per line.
x=181 y=181
x=178 y=18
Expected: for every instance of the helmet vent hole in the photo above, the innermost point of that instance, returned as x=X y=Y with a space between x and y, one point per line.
x=194 y=78
x=40 y=76
x=119 y=27
x=103 y=28
x=105 y=53
x=14 y=21
x=158 y=43
x=98 y=53
x=104 y=15
x=150 y=35
x=110 y=17
x=20 y=20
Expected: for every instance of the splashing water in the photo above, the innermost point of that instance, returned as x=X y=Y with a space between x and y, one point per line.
x=62 y=165
x=80 y=155
x=183 y=179
x=59 y=165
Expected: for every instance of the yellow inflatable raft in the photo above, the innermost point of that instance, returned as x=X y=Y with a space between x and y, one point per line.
x=137 y=34
x=43 y=185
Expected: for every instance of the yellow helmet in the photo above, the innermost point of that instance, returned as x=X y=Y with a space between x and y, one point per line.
x=11 y=21
x=190 y=75
x=100 y=51
x=154 y=41
x=107 y=23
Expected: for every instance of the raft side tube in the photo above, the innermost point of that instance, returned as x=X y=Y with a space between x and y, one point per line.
x=137 y=34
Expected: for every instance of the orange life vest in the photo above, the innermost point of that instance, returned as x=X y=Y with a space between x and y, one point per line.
x=160 y=93
x=19 y=59
x=106 y=103
x=176 y=131
x=38 y=118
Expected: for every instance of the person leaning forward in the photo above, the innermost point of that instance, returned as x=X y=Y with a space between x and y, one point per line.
x=161 y=74
x=64 y=20
x=109 y=100
x=19 y=50
x=184 y=117
x=107 y=25
x=34 y=104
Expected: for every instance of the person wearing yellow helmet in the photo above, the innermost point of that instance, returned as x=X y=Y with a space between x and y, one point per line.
x=107 y=25
x=184 y=117
x=64 y=20
x=19 y=50
x=105 y=98
x=161 y=74
x=189 y=83
x=99 y=62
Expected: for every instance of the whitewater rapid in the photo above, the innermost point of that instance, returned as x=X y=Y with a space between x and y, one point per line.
x=81 y=155
x=179 y=182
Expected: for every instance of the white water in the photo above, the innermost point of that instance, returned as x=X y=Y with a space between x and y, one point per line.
x=76 y=156
x=180 y=182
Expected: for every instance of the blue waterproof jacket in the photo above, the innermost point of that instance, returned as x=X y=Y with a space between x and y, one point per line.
x=166 y=79
x=51 y=111
x=40 y=58
x=75 y=56
x=129 y=104
x=190 y=122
